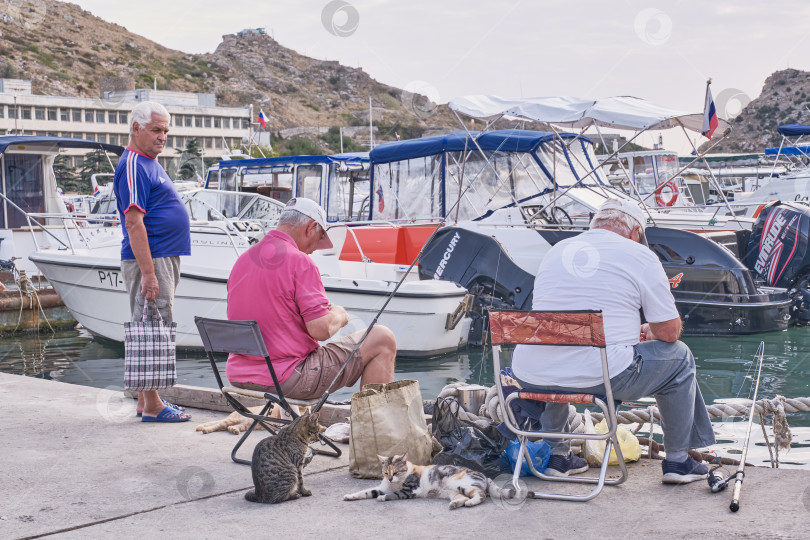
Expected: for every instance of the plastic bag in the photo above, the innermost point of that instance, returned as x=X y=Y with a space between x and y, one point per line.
x=465 y=443
x=594 y=450
x=539 y=450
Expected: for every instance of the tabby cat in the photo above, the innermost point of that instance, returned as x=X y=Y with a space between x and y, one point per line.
x=278 y=461
x=405 y=480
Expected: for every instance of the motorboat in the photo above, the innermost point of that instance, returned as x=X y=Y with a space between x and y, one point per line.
x=427 y=317
x=28 y=186
x=512 y=194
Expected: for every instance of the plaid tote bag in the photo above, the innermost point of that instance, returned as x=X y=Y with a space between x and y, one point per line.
x=150 y=353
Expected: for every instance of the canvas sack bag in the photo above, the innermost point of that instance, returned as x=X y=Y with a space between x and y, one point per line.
x=150 y=352
x=387 y=420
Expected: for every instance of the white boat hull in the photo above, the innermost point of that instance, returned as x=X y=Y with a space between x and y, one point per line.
x=92 y=287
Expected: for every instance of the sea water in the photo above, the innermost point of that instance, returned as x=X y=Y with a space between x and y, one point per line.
x=726 y=372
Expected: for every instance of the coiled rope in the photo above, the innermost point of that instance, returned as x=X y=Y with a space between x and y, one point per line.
x=491 y=412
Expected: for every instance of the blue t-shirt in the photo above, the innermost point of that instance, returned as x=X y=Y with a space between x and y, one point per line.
x=141 y=181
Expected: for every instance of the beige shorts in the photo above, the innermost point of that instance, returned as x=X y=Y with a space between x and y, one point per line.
x=312 y=377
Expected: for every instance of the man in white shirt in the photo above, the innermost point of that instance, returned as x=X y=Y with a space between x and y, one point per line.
x=611 y=268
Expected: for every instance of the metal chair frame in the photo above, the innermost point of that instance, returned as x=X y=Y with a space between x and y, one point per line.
x=573 y=328
x=244 y=337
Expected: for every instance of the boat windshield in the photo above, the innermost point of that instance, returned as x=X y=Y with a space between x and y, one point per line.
x=214 y=205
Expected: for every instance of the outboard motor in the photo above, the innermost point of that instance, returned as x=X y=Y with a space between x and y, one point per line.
x=478 y=263
x=778 y=254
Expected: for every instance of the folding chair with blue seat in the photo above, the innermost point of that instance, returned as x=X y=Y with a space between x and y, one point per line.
x=244 y=337
x=570 y=328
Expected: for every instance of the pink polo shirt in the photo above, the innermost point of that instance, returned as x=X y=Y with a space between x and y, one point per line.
x=280 y=287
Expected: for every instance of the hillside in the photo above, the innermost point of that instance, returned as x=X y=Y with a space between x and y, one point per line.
x=783 y=100
x=65 y=50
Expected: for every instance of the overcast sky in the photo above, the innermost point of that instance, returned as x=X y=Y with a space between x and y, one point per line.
x=659 y=51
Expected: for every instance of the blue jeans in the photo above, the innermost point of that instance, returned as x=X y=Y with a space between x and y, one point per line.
x=663 y=370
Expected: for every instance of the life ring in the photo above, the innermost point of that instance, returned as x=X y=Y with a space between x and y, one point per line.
x=659 y=194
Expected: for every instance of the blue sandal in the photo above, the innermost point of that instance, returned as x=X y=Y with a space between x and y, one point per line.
x=168 y=414
x=166 y=404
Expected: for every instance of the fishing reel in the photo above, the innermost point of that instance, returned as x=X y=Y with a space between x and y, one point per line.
x=717 y=482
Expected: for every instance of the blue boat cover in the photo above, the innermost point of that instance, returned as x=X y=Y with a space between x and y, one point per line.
x=61 y=142
x=507 y=140
x=788 y=151
x=793 y=130
x=361 y=157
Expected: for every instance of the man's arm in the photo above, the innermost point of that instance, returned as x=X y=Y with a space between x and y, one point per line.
x=325 y=327
x=668 y=331
x=139 y=242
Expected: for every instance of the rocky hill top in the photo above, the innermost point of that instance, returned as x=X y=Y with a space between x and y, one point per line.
x=65 y=50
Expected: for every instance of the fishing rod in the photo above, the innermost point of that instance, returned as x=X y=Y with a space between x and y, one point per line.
x=716 y=481
x=388 y=299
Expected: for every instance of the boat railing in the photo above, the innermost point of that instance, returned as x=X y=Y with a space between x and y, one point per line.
x=76 y=227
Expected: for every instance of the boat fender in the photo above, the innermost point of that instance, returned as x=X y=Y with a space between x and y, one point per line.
x=659 y=194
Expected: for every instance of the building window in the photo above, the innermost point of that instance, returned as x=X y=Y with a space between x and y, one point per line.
x=64 y=115
x=76 y=114
x=122 y=117
x=218 y=142
x=209 y=143
x=226 y=123
x=187 y=120
x=53 y=134
x=89 y=116
x=169 y=141
x=180 y=142
x=112 y=117
x=12 y=111
x=101 y=137
x=198 y=121
x=207 y=121
x=52 y=113
x=100 y=117
x=217 y=122
x=177 y=121
x=26 y=113
x=78 y=161
x=39 y=113
x=2 y=110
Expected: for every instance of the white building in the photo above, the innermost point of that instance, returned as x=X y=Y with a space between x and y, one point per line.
x=217 y=129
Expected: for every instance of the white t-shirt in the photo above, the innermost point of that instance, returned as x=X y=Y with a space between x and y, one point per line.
x=597 y=269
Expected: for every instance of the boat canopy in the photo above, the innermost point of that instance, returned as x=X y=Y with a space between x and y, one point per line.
x=620 y=112
x=425 y=178
x=58 y=142
x=788 y=151
x=506 y=140
x=793 y=130
x=361 y=157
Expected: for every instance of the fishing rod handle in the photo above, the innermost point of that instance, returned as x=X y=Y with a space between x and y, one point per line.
x=735 y=498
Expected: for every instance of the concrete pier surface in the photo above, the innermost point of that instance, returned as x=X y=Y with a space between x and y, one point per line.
x=77 y=464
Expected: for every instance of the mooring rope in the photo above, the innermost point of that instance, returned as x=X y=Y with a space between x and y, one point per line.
x=26 y=287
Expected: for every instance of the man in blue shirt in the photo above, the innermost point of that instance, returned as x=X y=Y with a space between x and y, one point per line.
x=156 y=234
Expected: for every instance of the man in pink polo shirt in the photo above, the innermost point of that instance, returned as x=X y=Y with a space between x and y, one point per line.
x=278 y=285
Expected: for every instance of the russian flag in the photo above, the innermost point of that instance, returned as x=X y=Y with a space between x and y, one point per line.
x=709 y=115
x=262 y=119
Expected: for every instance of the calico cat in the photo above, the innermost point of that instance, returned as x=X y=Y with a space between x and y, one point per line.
x=404 y=480
x=278 y=462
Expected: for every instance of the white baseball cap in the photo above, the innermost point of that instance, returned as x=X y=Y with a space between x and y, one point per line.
x=312 y=210
x=629 y=208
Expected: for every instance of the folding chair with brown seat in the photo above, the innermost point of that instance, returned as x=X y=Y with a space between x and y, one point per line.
x=244 y=337
x=571 y=328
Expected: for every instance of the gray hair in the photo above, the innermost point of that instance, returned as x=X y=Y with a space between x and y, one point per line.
x=293 y=219
x=142 y=114
x=614 y=219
